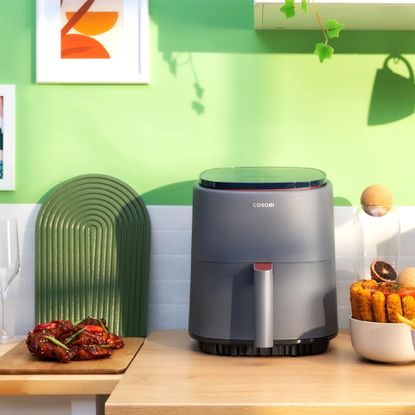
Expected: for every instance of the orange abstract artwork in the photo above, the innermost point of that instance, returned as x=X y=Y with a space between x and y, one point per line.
x=91 y=29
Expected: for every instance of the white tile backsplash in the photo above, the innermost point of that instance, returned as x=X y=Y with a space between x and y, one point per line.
x=20 y=317
x=170 y=218
x=343 y=292
x=22 y=290
x=169 y=292
x=170 y=242
x=164 y=267
x=170 y=263
x=170 y=316
x=343 y=230
x=344 y=268
x=343 y=315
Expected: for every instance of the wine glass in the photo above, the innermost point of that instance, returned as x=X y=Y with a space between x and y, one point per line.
x=9 y=267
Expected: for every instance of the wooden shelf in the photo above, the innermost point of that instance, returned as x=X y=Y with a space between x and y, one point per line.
x=171 y=377
x=355 y=14
x=57 y=384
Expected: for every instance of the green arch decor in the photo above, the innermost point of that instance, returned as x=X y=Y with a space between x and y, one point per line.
x=93 y=253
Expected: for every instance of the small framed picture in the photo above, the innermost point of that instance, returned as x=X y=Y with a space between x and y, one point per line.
x=92 y=41
x=7 y=137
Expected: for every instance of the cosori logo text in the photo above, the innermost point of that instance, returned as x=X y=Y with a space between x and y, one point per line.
x=263 y=204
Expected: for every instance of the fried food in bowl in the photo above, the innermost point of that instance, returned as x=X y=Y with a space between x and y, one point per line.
x=381 y=301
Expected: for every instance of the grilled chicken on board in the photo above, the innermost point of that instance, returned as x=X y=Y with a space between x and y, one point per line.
x=62 y=341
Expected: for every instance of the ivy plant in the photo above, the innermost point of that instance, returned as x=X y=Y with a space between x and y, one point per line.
x=331 y=28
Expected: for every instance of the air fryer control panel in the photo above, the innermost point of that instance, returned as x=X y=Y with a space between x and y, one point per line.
x=268 y=226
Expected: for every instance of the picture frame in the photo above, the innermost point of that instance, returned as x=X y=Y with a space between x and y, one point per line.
x=113 y=36
x=7 y=137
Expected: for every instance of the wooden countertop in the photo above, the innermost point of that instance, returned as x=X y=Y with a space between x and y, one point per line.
x=76 y=384
x=169 y=376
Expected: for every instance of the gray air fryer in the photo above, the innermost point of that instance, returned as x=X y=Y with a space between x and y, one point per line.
x=263 y=272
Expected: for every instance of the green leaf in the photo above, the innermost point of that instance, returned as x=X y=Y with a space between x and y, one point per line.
x=57 y=342
x=102 y=325
x=288 y=9
x=304 y=5
x=333 y=28
x=67 y=341
x=323 y=51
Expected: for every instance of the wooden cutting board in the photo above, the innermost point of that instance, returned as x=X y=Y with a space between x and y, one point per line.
x=20 y=361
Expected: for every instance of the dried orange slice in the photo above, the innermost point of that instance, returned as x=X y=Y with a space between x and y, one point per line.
x=381 y=271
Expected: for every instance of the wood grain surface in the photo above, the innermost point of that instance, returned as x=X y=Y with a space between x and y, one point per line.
x=170 y=376
x=72 y=384
x=18 y=360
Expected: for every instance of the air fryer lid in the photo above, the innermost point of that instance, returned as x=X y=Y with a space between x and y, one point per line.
x=263 y=178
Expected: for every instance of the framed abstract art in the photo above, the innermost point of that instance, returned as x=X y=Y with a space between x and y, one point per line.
x=92 y=41
x=7 y=137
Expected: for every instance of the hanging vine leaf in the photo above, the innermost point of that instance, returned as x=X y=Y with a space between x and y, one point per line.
x=333 y=28
x=288 y=9
x=323 y=51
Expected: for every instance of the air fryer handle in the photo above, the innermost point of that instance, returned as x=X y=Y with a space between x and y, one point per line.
x=264 y=304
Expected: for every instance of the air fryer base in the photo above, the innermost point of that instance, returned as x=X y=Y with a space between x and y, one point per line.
x=282 y=348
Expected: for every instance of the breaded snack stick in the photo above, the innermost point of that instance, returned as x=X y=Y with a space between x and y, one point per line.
x=354 y=299
x=369 y=284
x=408 y=305
x=365 y=304
x=379 y=307
x=402 y=319
x=394 y=306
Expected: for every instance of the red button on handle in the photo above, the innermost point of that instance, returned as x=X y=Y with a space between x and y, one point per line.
x=263 y=266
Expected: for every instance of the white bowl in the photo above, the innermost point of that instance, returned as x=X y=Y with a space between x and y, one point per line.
x=383 y=342
x=413 y=336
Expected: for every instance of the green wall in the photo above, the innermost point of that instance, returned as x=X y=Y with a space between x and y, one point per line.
x=221 y=94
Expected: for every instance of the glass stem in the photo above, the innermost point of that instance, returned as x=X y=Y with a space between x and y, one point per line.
x=3 y=316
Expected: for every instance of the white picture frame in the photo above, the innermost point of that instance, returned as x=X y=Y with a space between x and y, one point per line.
x=130 y=67
x=7 y=125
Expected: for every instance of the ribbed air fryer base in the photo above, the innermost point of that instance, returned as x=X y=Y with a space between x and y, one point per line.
x=304 y=348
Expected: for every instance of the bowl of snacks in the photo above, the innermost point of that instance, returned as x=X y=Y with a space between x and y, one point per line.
x=381 y=310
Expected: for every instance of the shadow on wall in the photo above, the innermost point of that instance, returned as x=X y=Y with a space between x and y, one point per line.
x=174 y=60
x=179 y=193
x=225 y=26
x=393 y=95
x=341 y=201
